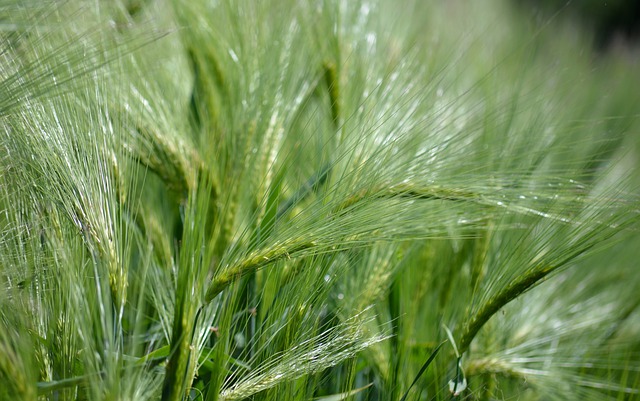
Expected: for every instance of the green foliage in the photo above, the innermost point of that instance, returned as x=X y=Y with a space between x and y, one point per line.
x=283 y=200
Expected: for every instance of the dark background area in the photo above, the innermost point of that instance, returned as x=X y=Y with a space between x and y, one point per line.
x=611 y=21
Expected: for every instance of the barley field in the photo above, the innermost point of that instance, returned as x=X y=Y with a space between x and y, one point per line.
x=281 y=200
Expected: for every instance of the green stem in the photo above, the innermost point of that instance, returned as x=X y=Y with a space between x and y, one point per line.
x=181 y=367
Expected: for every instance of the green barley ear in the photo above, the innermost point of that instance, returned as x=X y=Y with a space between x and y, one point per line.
x=312 y=355
x=593 y=227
